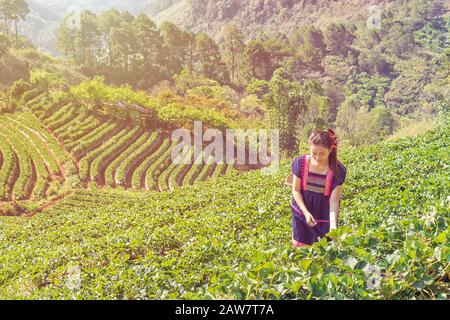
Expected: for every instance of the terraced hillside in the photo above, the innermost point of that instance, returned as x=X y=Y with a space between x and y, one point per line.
x=33 y=164
x=225 y=240
x=113 y=153
x=49 y=147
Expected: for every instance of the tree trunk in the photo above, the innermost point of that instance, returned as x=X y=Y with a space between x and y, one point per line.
x=17 y=36
x=232 y=66
x=191 y=59
x=110 y=51
x=6 y=28
x=125 y=60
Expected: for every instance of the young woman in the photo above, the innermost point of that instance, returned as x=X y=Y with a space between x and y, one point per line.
x=316 y=188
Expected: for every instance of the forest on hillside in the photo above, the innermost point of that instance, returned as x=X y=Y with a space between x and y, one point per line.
x=367 y=83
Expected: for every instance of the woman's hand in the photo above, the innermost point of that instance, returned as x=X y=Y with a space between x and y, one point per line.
x=310 y=219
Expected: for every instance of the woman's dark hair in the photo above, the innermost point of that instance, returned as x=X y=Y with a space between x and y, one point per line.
x=327 y=139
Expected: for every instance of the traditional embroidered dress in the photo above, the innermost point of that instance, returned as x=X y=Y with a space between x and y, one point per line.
x=316 y=191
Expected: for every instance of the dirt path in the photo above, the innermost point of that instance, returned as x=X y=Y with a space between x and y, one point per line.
x=49 y=204
x=183 y=174
x=34 y=178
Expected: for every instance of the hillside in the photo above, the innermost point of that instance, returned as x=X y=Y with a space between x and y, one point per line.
x=258 y=17
x=49 y=147
x=254 y=16
x=16 y=64
x=232 y=240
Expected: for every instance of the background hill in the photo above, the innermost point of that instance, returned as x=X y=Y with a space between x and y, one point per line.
x=254 y=17
x=257 y=17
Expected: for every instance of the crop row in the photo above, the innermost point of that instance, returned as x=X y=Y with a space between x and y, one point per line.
x=109 y=154
x=115 y=174
x=85 y=162
x=39 y=176
x=25 y=174
x=62 y=157
x=9 y=166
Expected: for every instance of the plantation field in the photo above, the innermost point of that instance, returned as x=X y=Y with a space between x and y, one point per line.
x=230 y=237
x=49 y=149
x=33 y=165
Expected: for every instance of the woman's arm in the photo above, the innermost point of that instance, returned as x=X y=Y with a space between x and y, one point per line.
x=334 y=206
x=296 y=183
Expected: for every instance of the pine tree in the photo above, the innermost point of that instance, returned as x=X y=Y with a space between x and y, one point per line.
x=234 y=47
x=6 y=10
x=209 y=59
x=148 y=45
x=20 y=10
x=109 y=23
x=174 y=48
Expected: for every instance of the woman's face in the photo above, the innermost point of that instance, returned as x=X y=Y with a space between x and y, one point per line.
x=319 y=153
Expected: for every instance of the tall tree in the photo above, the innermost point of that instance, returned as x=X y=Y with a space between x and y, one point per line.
x=3 y=45
x=310 y=46
x=148 y=44
x=89 y=35
x=6 y=10
x=66 y=39
x=286 y=101
x=79 y=37
x=405 y=93
x=126 y=40
x=174 y=47
x=257 y=61
x=338 y=39
x=209 y=59
x=190 y=50
x=234 y=47
x=19 y=10
x=109 y=23
x=262 y=58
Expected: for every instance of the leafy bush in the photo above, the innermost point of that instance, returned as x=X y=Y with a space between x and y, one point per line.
x=47 y=80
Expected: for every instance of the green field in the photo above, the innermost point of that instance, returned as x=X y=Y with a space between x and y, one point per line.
x=230 y=237
x=49 y=149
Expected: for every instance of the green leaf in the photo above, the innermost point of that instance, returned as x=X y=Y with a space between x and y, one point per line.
x=441 y=238
x=305 y=264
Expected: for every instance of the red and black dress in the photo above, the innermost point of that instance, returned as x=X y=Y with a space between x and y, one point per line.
x=316 y=191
